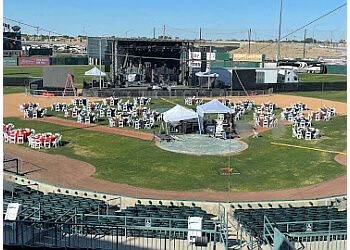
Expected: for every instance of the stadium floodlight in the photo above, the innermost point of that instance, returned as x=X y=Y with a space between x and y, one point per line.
x=16 y=28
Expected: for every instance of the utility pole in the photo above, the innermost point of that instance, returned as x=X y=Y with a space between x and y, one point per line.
x=249 y=34
x=200 y=33
x=116 y=60
x=209 y=66
x=154 y=32
x=279 y=34
x=112 y=64
x=100 y=58
x=304 y=51
x=164 y=32
x=37 y=35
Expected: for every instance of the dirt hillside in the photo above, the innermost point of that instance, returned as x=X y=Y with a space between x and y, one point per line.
x=286 y=50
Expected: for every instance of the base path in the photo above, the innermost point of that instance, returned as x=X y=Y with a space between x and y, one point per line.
x=11 y=102
x=63 y=171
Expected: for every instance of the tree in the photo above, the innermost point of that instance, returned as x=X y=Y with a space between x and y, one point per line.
x=309 y=40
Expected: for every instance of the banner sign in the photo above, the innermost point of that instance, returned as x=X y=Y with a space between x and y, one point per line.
x=195 y=55
x=10 y=61
x=195 y=64
x=211 y=56
x=247 y=57
x=35 y=61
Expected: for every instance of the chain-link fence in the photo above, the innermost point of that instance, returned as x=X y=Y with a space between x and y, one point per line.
x=19 y=81
x=12 y=164
x=176 y=93
x=39 y=92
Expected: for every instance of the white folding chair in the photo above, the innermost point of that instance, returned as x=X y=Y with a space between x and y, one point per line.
x=111 y=122
x=79 y=119
x=102 y=113
x=87 y=119
x=317 y=117
x=6 y=137
x=299 y=134
x=265 y=123
x=12 y=138
x=47 y=144
x=308 y=135
x=109 y=113
x=20 y=139
x=333 y=111
x=37 y=144
x=137 y=124
x=74 y=113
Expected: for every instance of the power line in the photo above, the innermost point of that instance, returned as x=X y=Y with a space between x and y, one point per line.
x=29 y=25
x=315 y=20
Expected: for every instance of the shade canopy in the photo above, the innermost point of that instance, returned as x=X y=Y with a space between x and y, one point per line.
x=94 y=72
x=179 y=113
x=214 y=106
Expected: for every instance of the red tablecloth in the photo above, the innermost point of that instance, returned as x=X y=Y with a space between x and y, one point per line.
x=261 y=121
x=51 y=138
x=6 y=128
x=18 y=132
x=321 y=115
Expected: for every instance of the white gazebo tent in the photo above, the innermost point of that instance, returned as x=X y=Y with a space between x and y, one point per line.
x=179 y=113
x=212 y=107
x=94 y=72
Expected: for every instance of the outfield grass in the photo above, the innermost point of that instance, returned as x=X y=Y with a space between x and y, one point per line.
x=12 y=90
x=304 y=77
x=263 y=166
x=28 y=71
x=339 y=96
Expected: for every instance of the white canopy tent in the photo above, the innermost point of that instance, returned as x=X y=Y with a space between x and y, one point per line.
x=94 y=72
x=179 y=113
x=214 y=106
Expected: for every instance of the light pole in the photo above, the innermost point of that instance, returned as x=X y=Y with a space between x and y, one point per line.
x=126 y=32
x=100 y=59
x=279 y=33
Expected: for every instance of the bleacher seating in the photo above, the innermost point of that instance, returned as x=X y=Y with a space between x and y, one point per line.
x=52 y=205
x=158 y=216
x=253 y=219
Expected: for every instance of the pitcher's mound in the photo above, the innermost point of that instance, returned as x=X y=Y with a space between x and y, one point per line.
x=201 y=145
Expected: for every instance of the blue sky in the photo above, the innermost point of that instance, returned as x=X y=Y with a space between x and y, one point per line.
x=224 y=19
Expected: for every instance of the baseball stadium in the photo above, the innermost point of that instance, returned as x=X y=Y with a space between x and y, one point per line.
x=160 y=143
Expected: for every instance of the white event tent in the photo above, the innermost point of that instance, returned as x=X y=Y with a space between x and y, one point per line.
x=179 y=113
x=94 y=72
x=214 y=106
